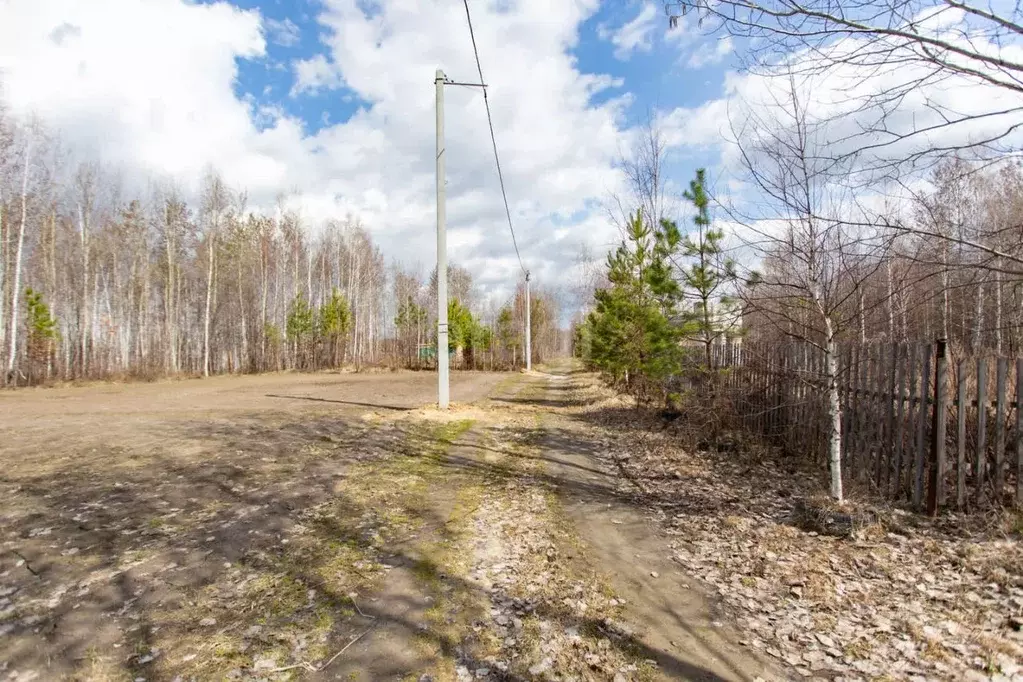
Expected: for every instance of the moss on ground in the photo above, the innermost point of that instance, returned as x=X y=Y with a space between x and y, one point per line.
x=293 y=603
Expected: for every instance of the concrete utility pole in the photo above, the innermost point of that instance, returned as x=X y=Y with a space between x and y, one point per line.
x=529 y=329
x=442 y=256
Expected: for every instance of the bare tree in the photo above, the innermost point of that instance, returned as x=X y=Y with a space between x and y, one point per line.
x=815 y=264
x=85 y=186
x=12 y=357
x=879 y=53
x=216 y=202
x=7 y=130
x=646 y=180
x=138 y=287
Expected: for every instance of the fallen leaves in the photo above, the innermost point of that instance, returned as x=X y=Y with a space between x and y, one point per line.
x=930 y=601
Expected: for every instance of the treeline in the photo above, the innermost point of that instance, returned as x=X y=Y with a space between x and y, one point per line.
x=954 y=265
x=96 y=284
x=948 y=265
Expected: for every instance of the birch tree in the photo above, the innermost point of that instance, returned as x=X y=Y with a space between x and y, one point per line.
x=814 y=264
x=12 y=357
x=6 y=148
x=215 y=202
x=164 y=282
x=85 y=186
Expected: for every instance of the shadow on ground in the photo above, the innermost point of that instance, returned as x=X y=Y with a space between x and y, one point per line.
x=130 y=562
x=375 y=406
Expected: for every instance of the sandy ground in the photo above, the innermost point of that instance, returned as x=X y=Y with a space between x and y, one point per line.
x=145 y=528
x=51 y=422
x=337 y=527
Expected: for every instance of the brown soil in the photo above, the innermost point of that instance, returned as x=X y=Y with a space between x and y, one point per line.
x=202 y=527
x=337 y=527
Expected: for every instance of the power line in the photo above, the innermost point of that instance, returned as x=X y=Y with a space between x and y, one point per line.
x=493 y=140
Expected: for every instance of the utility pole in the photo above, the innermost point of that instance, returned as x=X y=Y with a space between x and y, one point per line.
x=529 y=329
x=442 y=255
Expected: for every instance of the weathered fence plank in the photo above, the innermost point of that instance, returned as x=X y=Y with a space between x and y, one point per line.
x=911 y=410
x=884 y=480
x=854 y=414
x=880 y=369
x=899 y=409
x=863 y=425
x=900 y=423
x=936 y=489
x=921 y=433
x=980 y=461
x=961 y=407
x=999 y=473
x=845 y=386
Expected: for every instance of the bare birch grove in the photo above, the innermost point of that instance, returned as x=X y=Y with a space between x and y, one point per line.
x=151 y=285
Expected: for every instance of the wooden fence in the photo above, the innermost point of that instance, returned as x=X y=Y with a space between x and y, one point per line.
x=920 y=422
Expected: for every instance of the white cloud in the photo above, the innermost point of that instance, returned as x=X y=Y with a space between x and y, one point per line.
x=139 y=83
x=314 y=74
x=636 y=34
x=149 y=85
x=284 y=33
x=708 y=55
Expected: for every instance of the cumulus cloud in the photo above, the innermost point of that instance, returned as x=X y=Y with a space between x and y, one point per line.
x=144 y=84
x=708 y=55
x=636 y=35
x=314 y=74
x=151 y=86
x=284 y=33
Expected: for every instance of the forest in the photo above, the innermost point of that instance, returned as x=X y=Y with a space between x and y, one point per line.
x=98 y=283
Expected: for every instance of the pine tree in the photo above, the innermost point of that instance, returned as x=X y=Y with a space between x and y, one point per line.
x=42 y=332
x=636 y=327
x=509 y=338
x=410 y=320
x=334 y=323
x=300 y=326
x=707 y=277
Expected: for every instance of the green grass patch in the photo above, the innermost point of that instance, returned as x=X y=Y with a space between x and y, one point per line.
x=448 y=433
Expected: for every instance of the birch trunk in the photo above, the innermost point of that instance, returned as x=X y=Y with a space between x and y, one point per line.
x=209 y=299
x=52 y=270
x=863 y=319
x=12 y=357
x=263 y=285
x=944 y=291
x=169 y=307
x=978 y=318
x=834 y=412
x=891 y=301
x=83 y=332
x=241 y=309
x=998 y=309
x=309 y=275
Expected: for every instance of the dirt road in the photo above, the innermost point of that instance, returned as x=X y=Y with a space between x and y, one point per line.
x=53 y=422
x=330 y=527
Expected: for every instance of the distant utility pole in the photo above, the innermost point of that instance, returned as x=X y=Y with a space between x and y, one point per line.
x=529 y=330
x=442 y=255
